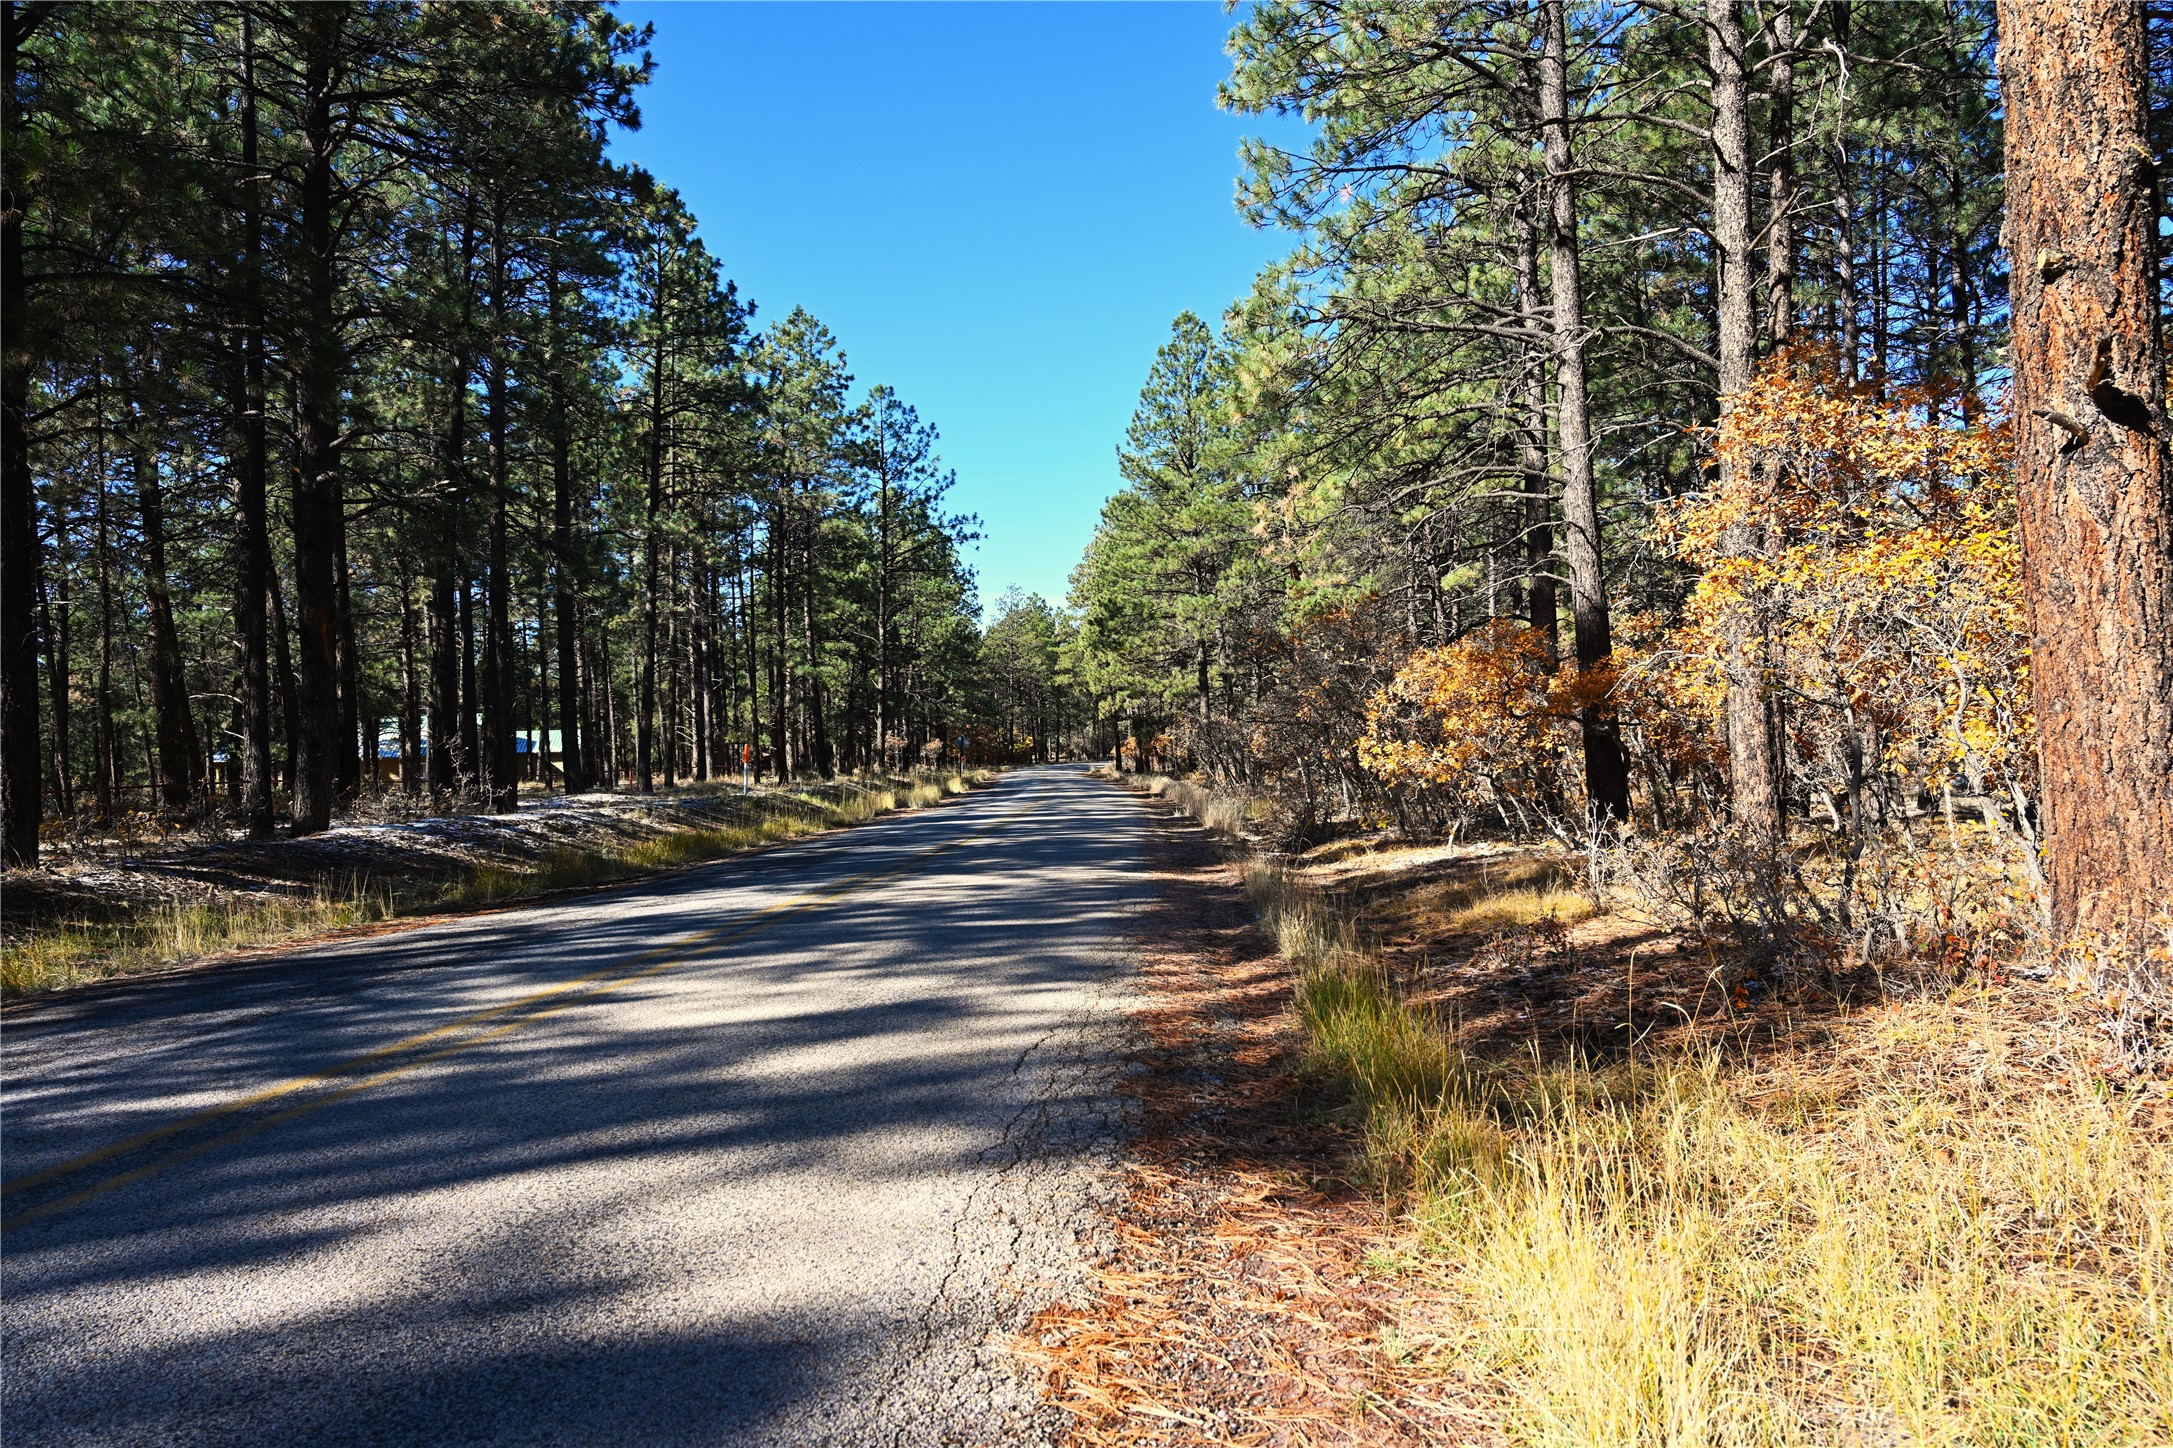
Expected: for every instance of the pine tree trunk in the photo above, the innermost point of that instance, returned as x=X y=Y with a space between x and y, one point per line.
x=318 y=375
x=1541 y=604
x=781 y=654
x=449 y=763
x=252 y=542
x=105 y=757
x=825 y=754
x=21 y=803
x=283 y=659
x=2097 y=509
x=56 y=634
x=411 y=691
x=542 y=752
x=471 y=752
x=1781 y=181
x=645 y=725
x=501 y=759
x=1754 y=775
x=569 y=672
x=1844 y=202
x=179 y=781
x=1607 y=776
x=358 y=749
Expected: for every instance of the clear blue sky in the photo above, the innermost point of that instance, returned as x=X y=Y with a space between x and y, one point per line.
x=998 y=209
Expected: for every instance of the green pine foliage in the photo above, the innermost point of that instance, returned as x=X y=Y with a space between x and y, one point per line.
x=535 y=479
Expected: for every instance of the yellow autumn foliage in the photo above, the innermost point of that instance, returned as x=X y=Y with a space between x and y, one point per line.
x=1883 y=580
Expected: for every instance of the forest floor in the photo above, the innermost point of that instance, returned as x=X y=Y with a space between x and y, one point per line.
x=124 y=902
x=1509 y=1170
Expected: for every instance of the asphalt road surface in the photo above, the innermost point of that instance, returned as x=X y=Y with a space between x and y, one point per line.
x=774 y=1151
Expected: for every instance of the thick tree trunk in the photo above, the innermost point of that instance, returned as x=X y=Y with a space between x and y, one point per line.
x=2096 y=510
x=179 y=779
x=1607 y=775
x=446 y=764
x=1754 y=774
x=319 y=375
x=252 y=540
x=21 y=805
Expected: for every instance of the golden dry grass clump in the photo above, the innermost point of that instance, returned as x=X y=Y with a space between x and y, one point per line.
x=1925 y=1220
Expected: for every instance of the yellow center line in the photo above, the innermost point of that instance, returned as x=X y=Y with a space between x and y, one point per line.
x=582 y=988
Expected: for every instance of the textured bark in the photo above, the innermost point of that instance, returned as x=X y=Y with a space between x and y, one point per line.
x=645 y=720
x=283 y=672
x=1958 y=288
x=1754 y=775
x=1606 y=771
x=470 y=749
x=446 y=762
x=1781 y=181
x=451 y=762
x=1843 y=189
x=411 y=723
x=180 y=777
x=20 y=800
x=2096 y=512
x=501 y=759
x=318 y=377
x=252 y=543
x=1541 y=606
x=105 y=757
x=358 y=736
x=569 y=670
x=53 y=620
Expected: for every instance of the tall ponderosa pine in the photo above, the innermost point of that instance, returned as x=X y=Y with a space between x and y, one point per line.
x=2096 y=478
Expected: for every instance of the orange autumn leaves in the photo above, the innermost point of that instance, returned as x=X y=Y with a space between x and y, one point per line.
x=1882 y=588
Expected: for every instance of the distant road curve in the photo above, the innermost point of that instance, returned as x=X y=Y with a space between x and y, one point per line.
x=772 y=1151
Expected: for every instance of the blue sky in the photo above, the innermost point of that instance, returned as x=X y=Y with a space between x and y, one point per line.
x=998 y=209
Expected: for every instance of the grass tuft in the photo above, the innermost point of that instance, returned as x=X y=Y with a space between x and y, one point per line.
x=76 y=953
x=1689 y=1251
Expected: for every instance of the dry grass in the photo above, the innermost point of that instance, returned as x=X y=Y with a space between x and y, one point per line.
x=76 y=953
x=1691 y=1251
x=1223 y=814
x=1912 y=1225
x=71 y=953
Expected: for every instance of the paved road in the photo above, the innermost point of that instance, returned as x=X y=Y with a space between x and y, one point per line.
x=764 y=1153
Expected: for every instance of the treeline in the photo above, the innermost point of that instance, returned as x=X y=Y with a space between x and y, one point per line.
x=367 y=427
x=1625 y=445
